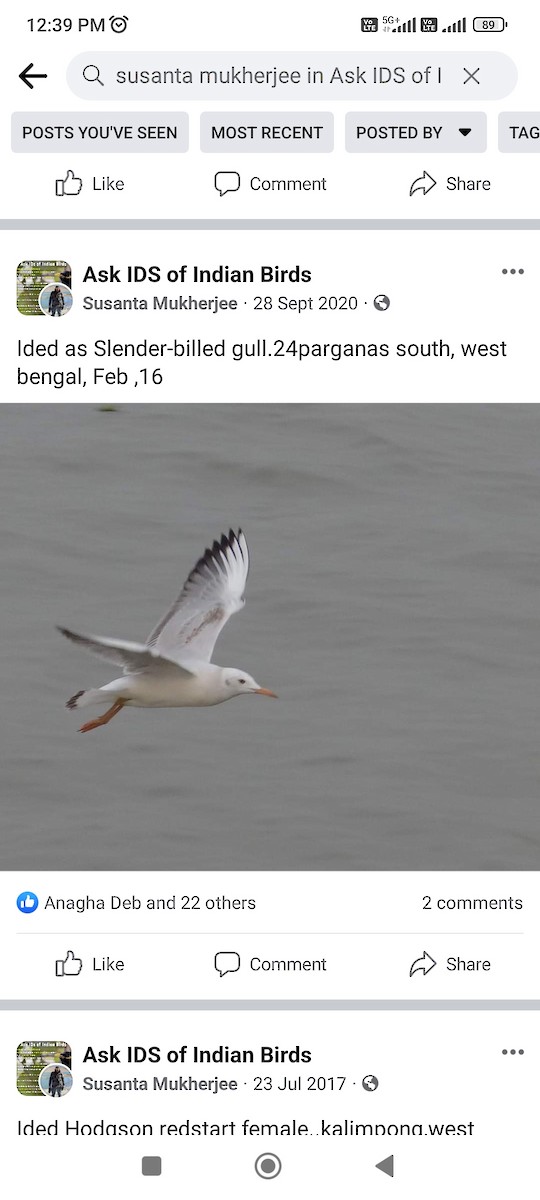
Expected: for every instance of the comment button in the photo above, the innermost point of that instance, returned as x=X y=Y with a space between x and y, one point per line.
x=111 y=132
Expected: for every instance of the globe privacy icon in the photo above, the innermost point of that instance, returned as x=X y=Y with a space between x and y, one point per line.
x=27 y=902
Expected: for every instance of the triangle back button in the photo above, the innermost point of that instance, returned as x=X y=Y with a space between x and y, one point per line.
x=387 y=1166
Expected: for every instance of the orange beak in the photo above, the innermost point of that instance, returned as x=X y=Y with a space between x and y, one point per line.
x=265 y=692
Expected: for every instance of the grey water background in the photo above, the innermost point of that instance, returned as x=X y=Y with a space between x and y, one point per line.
x=393 y=603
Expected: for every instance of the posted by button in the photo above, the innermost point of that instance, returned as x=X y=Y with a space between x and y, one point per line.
x=415 y=132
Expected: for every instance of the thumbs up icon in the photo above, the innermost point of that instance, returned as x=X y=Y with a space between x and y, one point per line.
x=70 y=186
x=68 y=965
x=27 y=902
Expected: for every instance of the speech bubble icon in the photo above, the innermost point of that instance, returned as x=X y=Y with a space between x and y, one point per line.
x=225 y=961
x=226 y=181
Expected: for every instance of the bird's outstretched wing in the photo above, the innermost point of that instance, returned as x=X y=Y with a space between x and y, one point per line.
x=211 y=594
x=129 y=655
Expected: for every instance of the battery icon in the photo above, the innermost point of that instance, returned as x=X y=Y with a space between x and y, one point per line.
x=489 y=24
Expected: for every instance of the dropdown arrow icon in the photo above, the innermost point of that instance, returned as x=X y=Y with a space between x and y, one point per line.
x=465 y=132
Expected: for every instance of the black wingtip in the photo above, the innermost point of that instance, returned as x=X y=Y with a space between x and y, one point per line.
x=212 y=559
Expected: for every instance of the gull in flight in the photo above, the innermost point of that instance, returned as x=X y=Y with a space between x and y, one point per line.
x=173 y=669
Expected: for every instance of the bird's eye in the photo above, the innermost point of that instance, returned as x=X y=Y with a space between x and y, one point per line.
x=241 y=681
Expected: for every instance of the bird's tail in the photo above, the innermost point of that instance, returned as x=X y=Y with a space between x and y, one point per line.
x=92 y=696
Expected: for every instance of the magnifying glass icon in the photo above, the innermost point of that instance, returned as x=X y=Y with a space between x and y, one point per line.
x=91 y=74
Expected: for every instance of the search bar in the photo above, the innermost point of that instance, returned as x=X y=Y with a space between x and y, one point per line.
x=180 y=75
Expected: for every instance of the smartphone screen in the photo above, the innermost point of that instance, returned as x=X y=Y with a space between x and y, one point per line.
x=270 y=435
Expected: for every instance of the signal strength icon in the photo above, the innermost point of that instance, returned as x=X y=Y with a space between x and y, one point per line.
x=406 y=27
x=457 y=27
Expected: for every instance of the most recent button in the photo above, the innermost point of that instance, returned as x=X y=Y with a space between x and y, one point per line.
x=267 y=133
x=415 y=132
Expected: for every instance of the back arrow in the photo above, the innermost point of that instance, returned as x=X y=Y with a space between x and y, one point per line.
x=24 y=75
x=424 y=964
x=387 y=1165
x=421 y=184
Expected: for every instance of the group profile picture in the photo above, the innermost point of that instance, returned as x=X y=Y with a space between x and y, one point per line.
x=44 y=1069
x=44 y=287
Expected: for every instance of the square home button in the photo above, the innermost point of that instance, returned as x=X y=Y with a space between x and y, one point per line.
x=151 y=1165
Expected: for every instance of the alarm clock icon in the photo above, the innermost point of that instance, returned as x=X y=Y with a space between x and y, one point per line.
x=118 y=24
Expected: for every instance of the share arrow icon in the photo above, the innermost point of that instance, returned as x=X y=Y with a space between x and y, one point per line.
x=424 y=184
x=424 y=964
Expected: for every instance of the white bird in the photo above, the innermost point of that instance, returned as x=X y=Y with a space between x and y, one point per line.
x=173 y=669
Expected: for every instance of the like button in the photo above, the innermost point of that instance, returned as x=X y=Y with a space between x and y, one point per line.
x=68 y=965
x=70 y=186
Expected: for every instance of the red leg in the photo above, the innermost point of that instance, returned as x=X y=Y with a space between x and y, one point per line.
x=107 y=716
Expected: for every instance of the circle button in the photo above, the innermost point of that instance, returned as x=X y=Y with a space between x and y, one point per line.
x=268 y=1166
